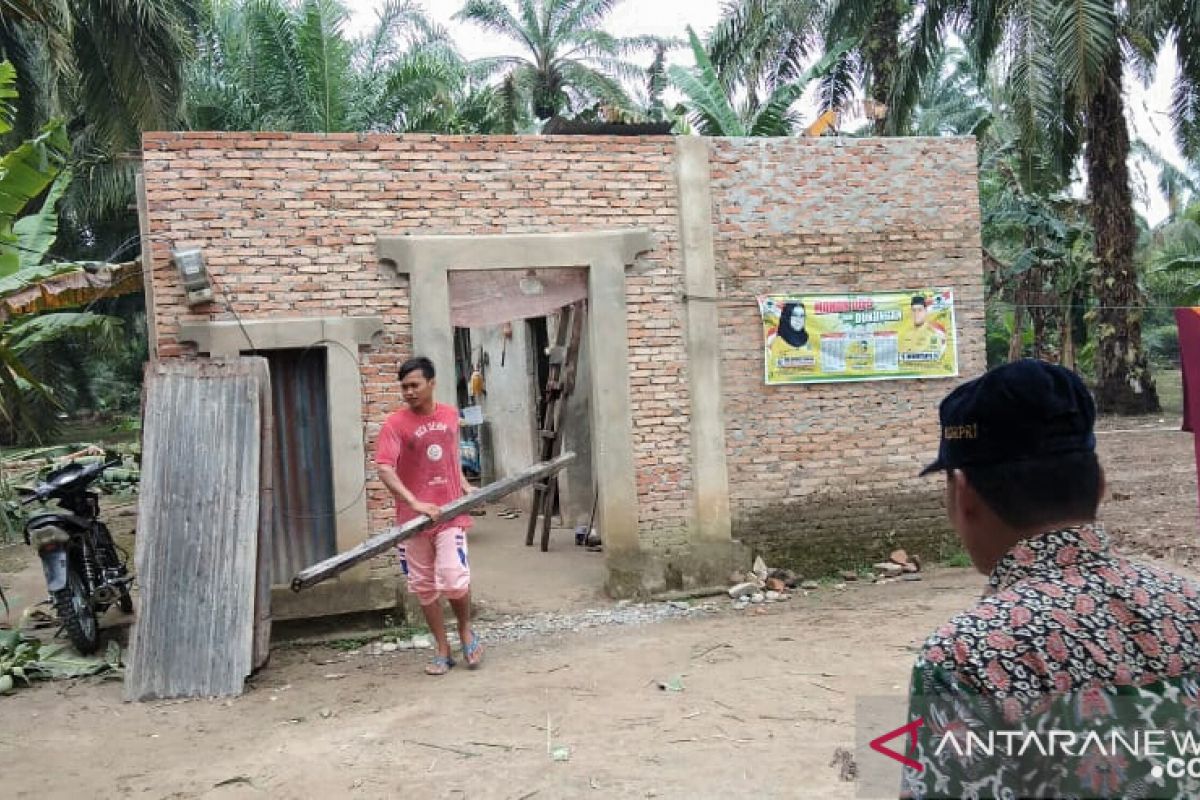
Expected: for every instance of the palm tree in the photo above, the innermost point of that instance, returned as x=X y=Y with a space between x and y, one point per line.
x=1065 y=63
x=567 y=62
x=277 y=65
x=110 y=69
x=952 y=104
x=713 y=113
x=758 y=44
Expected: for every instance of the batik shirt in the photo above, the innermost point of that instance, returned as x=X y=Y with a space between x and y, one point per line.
x=1071 y=638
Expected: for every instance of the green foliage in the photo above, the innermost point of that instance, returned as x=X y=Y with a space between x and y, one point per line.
x=26 y=659
x=109 y=69
x=711 y=107
x=567 y=62
x=1174 y=260
x=958 y=558
x=1162 y=343
x=26 y=172
x=282 y=65
x=43 y=359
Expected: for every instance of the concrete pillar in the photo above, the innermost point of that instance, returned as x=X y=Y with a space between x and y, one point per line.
x=710 y=485
x=612 y=419
x=434 y=337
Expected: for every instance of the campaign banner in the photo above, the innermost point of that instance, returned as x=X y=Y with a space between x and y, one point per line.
x=824 y=338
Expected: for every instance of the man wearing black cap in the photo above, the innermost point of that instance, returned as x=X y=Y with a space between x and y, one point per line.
x=1068 y=634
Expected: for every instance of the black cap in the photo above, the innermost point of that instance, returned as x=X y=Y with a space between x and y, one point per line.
x=1024 y=410
x=918 y=300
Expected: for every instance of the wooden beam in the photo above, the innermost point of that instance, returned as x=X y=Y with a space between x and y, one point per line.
x=310 y=576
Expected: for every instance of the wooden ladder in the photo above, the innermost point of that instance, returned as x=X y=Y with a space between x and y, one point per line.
x=560 y=382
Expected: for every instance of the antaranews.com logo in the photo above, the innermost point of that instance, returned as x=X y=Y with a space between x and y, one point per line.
x=941 y=754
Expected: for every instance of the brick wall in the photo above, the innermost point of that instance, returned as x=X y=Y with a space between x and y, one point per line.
x=823 y=475
x=288 y=224
x=819 y=474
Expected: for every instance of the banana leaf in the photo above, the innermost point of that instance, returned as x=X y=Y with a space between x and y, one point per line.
x=60 y=661
x=25 y=173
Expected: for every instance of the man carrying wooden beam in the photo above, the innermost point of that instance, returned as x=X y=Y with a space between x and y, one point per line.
x=417 y=458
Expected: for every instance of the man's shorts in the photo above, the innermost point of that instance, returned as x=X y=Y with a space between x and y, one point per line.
x=436 y=565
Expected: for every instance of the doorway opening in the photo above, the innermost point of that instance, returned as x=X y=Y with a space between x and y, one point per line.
x=304 y=529
x=507 y=373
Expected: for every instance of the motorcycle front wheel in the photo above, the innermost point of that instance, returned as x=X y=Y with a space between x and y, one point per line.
x=76 y=614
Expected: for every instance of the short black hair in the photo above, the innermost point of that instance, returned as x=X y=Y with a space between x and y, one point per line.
x=919 y=300
x=1043 y=491
x=419 y=363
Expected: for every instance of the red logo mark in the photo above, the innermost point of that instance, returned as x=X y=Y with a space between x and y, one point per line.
x=911 y=730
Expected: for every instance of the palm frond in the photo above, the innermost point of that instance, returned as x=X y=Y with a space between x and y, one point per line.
x=1083 y=34
x=326 y=56
x=589 y=83
x=496 y=17
x=773 y=119
x=130 y=56
x=277 y=68
x=921 y=50
x=578 y=15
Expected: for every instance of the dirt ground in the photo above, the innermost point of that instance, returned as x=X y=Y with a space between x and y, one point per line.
x=766 y=700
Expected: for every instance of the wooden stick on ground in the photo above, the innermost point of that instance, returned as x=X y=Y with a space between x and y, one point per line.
x=323 y=570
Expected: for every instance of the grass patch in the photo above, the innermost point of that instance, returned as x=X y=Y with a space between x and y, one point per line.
x=956 y=558
x=100 y=431
x=1170 y=390
x=390 y=633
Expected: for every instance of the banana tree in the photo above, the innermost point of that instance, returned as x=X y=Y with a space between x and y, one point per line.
x=35 y=169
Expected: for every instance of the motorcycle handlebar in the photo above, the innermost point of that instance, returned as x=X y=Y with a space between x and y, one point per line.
x=37 y=494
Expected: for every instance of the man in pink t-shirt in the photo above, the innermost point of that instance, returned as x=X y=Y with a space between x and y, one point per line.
x=418 y=461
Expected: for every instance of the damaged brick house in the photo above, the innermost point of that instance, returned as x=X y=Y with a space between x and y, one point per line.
x=337 y=256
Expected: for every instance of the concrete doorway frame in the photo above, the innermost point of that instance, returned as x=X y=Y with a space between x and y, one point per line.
x=428 y=261
x=340 y=338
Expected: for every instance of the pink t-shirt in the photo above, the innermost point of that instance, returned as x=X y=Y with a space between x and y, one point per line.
x=424 y=452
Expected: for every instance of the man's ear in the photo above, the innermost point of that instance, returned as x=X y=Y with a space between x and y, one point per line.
x=966 y=500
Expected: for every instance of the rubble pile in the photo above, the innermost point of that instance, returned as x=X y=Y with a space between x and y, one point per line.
x=762 y=585
x=765 y=585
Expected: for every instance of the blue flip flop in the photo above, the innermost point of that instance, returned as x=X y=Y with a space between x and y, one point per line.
x=440 y=665
x=472 y=649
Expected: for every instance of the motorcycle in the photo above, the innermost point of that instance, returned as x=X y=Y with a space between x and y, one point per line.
x=85 y=572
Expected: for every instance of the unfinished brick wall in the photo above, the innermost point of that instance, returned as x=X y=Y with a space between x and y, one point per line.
x=824 y=475
x=288 y=225
x=820 y=475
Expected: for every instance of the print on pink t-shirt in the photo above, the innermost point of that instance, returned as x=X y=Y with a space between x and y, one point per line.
x=423 y=449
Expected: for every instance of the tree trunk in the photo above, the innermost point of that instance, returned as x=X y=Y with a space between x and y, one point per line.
x=1123 y=381
x=882 y=51
x=1016 y=345
x=1066 y=337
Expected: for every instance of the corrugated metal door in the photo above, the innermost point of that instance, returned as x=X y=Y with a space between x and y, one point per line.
x=304 y=520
